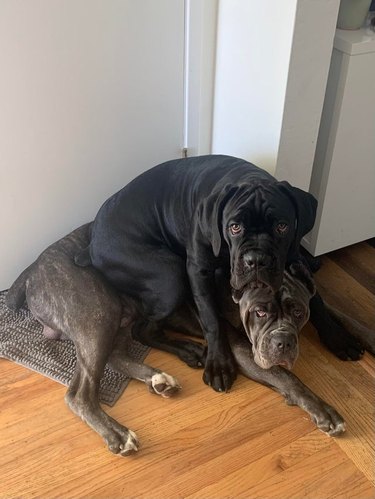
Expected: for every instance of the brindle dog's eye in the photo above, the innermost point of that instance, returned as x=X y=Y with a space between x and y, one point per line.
x=235 y=229
x=282 y=228
x=261 y=313
x=298 y=313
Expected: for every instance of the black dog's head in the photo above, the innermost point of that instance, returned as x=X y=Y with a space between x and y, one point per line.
x=273 y=321
x=262 y=225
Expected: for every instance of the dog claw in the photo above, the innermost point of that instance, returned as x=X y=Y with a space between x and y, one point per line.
x=165 y=385
x=337 y=430
x=329 y=421
x=333 y=430
x=122 y=441
x=131 y=445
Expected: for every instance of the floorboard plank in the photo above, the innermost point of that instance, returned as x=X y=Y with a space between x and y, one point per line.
x=358 y=262
x=345 y=293
x=354 y=400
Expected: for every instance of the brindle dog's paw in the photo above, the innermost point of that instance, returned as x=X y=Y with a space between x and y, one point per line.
x=165 y=385
x=327 y=419
x=324 y=416
x=121 y=440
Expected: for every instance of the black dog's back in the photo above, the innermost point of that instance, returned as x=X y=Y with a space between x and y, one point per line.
x=158 y=206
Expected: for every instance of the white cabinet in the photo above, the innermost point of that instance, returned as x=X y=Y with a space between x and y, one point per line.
x=343 y=178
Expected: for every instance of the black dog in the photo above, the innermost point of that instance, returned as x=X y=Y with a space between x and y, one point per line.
x=185 y=218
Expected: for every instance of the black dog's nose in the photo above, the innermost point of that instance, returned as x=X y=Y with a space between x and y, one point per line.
x=256 y=259
x=283 y=342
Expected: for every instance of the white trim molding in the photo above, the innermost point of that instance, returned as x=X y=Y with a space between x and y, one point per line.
x=200 y=55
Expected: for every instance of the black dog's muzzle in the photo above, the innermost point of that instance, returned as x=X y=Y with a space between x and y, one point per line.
x=256 y=268
x=255 y=259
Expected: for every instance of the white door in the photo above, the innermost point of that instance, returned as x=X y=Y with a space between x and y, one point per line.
x=91 y=94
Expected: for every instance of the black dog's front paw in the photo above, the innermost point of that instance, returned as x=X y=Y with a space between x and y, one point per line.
x=332 y=333
x=341 y=343
x=220 y=372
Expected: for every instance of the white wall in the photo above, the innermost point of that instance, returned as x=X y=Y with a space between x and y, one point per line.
x=253 y=51
x=271 y=73
x=91 y=94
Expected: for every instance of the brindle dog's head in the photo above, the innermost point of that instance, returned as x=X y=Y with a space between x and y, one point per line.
x=262 y=224
x=273 y=321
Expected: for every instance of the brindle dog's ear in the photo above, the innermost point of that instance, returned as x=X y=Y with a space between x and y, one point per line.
x=305 y=205
x=211 y=215
x=302 y=273
x=236 y=295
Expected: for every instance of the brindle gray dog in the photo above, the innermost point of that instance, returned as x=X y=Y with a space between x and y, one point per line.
x=273 y=322
x=79 y=303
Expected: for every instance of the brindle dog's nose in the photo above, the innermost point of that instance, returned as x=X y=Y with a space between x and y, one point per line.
x=283 y=342
x=256 y=259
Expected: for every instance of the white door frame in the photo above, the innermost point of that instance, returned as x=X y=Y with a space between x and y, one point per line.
x=200 y=55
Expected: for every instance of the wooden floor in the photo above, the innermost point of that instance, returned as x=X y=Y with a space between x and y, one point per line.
x=247 y=443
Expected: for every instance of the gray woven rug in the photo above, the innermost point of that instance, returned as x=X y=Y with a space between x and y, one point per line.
x=22 y=341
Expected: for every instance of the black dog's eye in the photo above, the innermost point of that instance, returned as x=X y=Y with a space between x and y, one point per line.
x=282 y=228
x=235 y=229
x=261 y=313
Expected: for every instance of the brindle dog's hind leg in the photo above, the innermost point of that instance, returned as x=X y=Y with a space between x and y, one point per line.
x=158 y=382
x=82 y=395
x=295 y=392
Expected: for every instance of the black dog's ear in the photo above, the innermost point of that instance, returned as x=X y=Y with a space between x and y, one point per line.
x=305 y=205
x=210 y=216
x=302 y=273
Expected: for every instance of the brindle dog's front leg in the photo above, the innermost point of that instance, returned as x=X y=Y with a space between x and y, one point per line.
x=295 y=392
x=158 y=381
x=82 y=398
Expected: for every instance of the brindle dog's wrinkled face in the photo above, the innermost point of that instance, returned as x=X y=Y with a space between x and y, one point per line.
x=273 y=321
x=259 y=228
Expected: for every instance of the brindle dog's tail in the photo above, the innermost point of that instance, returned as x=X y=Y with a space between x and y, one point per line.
x=16 y=295
x=83 y=259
